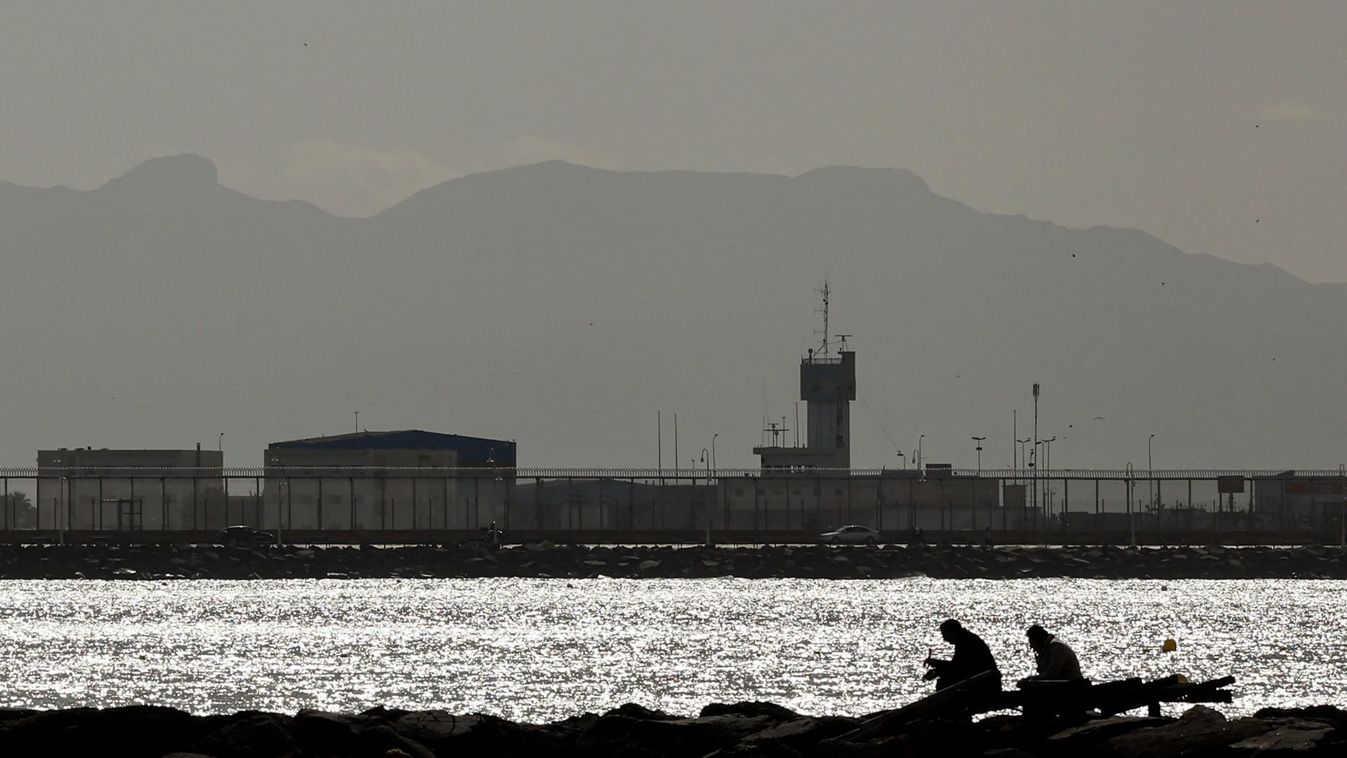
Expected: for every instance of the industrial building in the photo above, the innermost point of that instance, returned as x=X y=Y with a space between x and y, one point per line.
x=406 y=479
x=83 y=488
x=1292 y=499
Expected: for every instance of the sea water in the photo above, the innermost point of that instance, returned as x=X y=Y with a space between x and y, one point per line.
x=543 y=649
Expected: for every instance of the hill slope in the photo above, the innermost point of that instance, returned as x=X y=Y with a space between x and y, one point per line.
x=562 y=306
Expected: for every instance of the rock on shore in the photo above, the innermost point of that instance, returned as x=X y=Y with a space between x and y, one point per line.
x=632 y=731
x=548 y=560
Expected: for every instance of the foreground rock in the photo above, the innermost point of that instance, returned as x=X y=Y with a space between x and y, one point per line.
x=573 y=561
x=741 y=729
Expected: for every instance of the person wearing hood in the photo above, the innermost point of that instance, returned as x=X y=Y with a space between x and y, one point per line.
x=1053 y=659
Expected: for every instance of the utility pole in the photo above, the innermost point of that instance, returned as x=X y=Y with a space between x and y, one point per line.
x=1033 y=482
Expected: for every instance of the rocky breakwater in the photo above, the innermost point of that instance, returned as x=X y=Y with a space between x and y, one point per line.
x=566 y=561
x=632 y=731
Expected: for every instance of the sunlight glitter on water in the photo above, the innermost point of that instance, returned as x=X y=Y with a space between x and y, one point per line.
x=543 y=649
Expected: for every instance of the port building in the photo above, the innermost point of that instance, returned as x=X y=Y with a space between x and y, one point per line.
x=129 y=490
x=387 y=480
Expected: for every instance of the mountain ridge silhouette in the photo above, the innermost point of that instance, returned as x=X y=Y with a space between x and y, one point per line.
x=562 y=306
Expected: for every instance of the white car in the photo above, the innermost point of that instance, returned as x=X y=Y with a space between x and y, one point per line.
x=855 y=534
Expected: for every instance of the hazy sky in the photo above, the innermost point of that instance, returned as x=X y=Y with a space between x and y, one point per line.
x=1218 y=126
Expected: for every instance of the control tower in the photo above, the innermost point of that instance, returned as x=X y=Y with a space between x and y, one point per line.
x=827 y=385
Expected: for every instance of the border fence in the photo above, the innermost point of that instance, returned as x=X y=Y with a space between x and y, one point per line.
x=686 y=505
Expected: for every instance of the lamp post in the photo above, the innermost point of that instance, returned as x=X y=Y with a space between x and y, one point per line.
x=280 y=499
x=219 y=443
x=1150 y=477
x=715 y=471
x=1047 y=485
x=903 y=456
x=706 y=459
x=919 y=460
x=1034 y=481
x=1131 y=522
x=978 y=442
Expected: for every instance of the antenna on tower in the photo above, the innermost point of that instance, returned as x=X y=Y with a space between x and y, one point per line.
x=823 y=349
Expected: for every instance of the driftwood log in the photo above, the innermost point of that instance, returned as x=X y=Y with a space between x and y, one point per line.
x=1044 y=698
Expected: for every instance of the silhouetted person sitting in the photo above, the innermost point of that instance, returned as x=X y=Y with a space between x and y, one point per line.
x=1053 y=658
x=971 y=657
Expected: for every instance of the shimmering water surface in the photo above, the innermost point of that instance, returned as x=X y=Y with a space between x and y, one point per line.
x=543 y=649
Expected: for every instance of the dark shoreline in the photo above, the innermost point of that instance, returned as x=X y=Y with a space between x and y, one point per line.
x=563 y=561
x=764 y=730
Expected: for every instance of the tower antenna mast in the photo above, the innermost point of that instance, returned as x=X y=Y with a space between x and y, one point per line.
x=824 y=292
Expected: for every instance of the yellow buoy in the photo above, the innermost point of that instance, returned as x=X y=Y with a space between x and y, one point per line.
x=1169 y=646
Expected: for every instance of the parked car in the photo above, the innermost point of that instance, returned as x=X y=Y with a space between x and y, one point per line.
x=246 y=535
x=854 y=534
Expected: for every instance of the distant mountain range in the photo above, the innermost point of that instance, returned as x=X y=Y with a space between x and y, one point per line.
x=563 y=306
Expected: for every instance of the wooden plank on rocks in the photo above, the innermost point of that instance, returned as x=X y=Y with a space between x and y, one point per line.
x=952 y=699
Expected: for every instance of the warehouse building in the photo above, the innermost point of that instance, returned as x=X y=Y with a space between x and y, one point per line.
x=405 y=479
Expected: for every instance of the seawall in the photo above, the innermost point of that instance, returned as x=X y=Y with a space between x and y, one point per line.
x=546 y=560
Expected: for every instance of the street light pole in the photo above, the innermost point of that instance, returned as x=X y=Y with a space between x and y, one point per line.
x=919 y=460
x=1150 y=477
x=1131 y=522
x=978 y=442
x=1047 y=485
x=274 y=471
x=707 y=460
x=1034 y=480
x=720 y=497
x=903 y=455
